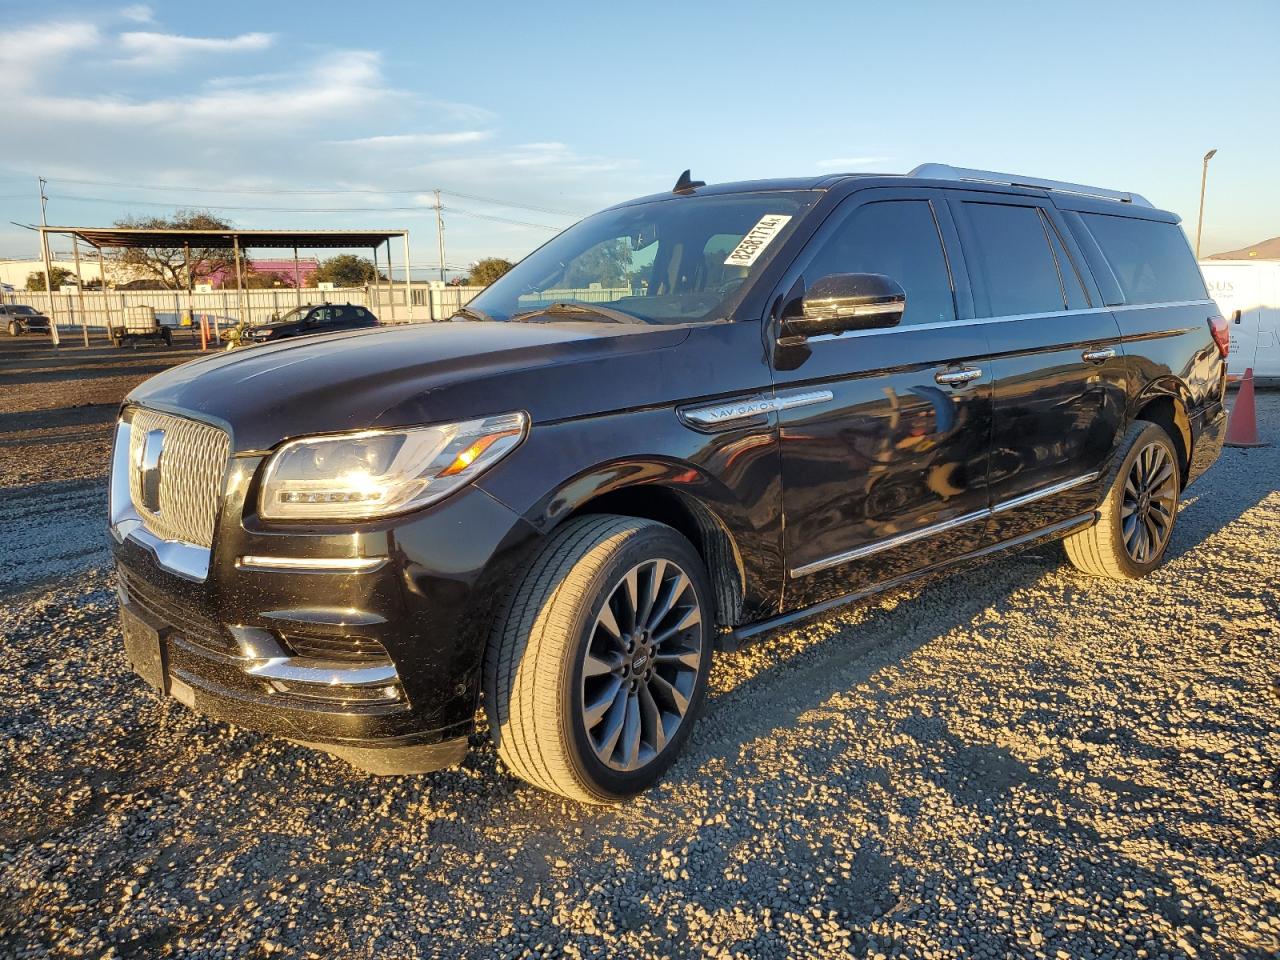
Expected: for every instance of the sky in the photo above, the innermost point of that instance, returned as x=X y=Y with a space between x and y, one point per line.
x=528 y=116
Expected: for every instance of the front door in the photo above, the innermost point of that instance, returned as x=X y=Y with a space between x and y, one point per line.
x=1059 y=368
x=884 y=433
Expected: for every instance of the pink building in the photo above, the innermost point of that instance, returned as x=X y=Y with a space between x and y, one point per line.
x=282 y=267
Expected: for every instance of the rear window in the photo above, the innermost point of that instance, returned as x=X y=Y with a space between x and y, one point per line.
x=1151 y=260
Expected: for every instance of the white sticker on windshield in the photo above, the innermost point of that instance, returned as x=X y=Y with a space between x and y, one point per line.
x=758 y=237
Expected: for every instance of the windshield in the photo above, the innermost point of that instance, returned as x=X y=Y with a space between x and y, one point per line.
x=297 y=313
x=668 y=261
x=25 y=311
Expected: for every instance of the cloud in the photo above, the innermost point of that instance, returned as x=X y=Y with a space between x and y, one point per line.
x=268 y=125
x=138 y=13
x=417 y=139
x=31 y=45
x=341 y=88
x=149 y=49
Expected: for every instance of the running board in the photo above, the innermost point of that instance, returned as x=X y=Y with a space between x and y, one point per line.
x=740 y=637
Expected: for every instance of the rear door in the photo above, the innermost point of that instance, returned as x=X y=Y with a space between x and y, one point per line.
x=1060 y=378
x=884 y=434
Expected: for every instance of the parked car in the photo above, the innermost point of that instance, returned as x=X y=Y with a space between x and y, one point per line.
x=311 y=319
x=1248 y=295
x=18 y=318
x=686 y=421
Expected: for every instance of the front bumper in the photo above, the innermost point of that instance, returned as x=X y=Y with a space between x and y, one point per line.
x=378 y=664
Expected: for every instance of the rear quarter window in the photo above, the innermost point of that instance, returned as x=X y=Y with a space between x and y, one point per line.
x=1150 y=259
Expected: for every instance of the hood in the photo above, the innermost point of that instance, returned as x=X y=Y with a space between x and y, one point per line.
x=416 y=374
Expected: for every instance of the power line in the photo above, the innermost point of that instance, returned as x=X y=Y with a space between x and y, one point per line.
x=413 y=209
x=312 y=192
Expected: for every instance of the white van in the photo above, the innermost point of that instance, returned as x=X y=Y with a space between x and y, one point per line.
x=1248 y=294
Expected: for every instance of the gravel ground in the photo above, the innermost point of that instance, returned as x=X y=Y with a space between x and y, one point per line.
x=1011 y=761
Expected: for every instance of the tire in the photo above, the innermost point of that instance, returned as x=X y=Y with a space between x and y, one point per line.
x=557 y=681
x=14 y=329
x=1133 y=531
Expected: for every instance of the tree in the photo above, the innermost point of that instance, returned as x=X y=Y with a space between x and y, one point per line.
x=607 y=264
x=484 y=272
x=176 y=267
x=254 y=279
x=344 y=270
x=60 y=275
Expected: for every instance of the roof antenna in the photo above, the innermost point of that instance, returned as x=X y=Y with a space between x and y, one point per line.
x=687 y=185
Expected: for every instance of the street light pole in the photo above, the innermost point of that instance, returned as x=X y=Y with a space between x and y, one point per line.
x=1204 y=177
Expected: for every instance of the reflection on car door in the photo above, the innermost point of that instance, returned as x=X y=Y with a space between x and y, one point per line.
x=1060 y=380
x=883 y=448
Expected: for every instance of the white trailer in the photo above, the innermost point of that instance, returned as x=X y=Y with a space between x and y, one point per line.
x=1248 y=294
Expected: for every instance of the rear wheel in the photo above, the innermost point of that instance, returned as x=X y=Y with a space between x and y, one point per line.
x=1135 y=521
x=597 y=667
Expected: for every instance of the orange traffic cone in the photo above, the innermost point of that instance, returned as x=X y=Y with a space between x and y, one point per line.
x=1242 y=427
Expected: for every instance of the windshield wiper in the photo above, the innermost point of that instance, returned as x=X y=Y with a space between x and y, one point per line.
x=572 y=307
x=471 y=313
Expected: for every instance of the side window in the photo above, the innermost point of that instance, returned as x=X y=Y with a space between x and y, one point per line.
x=900 y=239
x=1014 y=259
x=1150 y=259
x=341 y=315
x=321 y=316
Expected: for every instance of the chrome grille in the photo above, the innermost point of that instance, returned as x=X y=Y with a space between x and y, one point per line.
x=192 y=465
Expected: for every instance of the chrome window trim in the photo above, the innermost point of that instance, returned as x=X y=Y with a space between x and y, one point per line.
x=1006 y=318
x=1204 y=301
x=911 y=536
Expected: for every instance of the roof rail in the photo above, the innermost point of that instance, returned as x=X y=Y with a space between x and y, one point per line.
x=944 y=171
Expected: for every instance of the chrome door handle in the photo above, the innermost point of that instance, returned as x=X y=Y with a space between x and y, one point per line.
x=956 y=378
x=1097 y=356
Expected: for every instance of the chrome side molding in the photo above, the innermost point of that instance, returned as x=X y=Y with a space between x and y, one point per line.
x=911 y=536
x=900 y=540
x=1043 y=492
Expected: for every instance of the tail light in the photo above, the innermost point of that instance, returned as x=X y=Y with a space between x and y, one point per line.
x=1221 y=335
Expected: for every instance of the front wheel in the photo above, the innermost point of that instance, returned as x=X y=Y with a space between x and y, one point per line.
x=1135 y=520
x=14 y=329
x=598 y=663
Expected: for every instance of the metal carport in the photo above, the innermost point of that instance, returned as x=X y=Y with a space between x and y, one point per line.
x=101 y=238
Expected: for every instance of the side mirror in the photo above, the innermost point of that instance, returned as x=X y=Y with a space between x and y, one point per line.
x=845 y=301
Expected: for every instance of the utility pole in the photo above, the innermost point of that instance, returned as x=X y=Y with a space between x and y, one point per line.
x=1204 y=176
x=48 y=266
x=440 y=234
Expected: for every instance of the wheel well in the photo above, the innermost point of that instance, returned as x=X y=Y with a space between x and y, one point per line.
x=697 y=524
x=1167 y=412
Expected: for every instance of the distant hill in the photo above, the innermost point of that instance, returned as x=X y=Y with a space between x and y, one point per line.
x=1266 y=250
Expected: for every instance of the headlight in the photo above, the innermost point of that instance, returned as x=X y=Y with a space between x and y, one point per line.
x=378 y=473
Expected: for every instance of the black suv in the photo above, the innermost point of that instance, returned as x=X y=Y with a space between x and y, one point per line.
x=684 y=421
x=18 y=318
x=310 y=319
